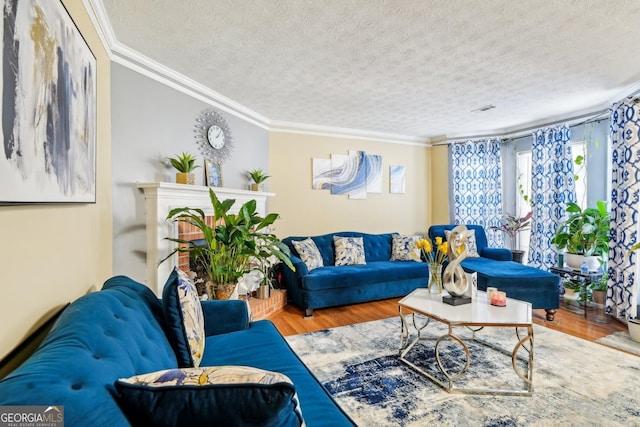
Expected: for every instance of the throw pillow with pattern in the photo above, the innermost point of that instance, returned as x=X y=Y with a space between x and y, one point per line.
x=185 y=319
x=403 y=248
x=349 y=250
x=309 y=253
x=210 y=396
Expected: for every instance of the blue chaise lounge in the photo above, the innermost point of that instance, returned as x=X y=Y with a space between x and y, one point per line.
x=496 y=269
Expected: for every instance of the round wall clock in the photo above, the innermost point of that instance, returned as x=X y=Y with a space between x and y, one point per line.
x=213 y=136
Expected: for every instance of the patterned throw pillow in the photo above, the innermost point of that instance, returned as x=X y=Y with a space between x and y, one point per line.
x=309 y=253
x=210 y=396
x=471 y=243
x=403 y=248
x=183 y=313
x=349 y=250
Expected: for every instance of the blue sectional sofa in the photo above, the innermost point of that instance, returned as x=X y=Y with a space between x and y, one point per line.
x=122 y=331
x=496 y=269
x=332 y=285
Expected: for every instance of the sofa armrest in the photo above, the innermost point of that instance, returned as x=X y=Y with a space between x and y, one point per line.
x=301 y=267
x=290 y=276
x=221 y=317
x=498 y=254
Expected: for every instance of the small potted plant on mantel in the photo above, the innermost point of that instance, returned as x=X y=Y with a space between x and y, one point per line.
x=185 y=164
x=258 y=176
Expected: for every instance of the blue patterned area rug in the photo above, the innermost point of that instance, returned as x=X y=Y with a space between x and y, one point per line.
x=575 y=382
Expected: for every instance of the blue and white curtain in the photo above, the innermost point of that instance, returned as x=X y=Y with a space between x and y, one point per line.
x=552 y=187
x=477 y=185
x=625 y=193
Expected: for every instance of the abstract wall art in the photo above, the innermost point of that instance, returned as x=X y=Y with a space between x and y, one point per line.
x=396 y=179
x=354 y=174
x=48 y=106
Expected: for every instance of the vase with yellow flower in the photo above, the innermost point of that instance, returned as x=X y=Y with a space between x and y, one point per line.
x=435 y=256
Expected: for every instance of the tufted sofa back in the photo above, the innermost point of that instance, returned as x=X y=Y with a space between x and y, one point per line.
x=377 y=247
x=117 y=332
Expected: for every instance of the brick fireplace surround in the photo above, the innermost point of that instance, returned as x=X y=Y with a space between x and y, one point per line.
x=260 y=308
x=160 y=198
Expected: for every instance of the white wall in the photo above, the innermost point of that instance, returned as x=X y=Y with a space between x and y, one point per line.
x=151 y=122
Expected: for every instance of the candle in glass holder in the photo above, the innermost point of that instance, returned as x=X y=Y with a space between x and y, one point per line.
x=499 y=298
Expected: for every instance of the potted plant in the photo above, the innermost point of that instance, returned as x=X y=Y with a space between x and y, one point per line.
x=258 y=176
x=231 y=244
x=599 y=289
x=185 y=164
x=512 y=225
x=573 y=290
x=584 y=235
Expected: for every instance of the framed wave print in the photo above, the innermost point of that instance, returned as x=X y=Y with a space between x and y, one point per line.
x=48 y=107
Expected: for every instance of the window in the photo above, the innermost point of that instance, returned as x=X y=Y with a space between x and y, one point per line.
x=523 y=198
x=579 y=153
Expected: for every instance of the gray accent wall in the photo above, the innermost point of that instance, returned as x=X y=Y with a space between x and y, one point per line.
x=151 y=122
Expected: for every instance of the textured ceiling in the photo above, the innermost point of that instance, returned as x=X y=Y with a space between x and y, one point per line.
x=415 y=68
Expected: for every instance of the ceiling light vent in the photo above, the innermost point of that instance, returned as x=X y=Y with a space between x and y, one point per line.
x=484 y=108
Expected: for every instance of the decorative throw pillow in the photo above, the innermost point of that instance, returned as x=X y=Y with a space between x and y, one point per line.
x=210 y=396
x=403 y=248
x=185 y=320
x=472 y=247
x=309 y=253
x=349 y=250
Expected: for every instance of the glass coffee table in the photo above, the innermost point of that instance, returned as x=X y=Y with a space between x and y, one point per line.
x=474 y=316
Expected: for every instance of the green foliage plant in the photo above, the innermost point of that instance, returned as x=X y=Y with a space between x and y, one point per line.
x=258 y=176
x=184 y=163
x=584 y=232
x=232 y=243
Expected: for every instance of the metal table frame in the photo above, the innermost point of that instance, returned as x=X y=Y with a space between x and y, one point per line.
x=525 y=342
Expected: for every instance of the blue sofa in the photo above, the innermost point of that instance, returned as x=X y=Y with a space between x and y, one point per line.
x=121 y=331
x=496 y=269
x=333 y=285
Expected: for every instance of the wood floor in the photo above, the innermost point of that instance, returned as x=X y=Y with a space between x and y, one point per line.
x=290 y=320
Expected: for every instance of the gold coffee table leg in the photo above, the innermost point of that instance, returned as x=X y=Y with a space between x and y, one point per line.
x=452 y=378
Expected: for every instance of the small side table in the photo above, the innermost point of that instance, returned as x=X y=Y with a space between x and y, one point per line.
x=585 y=280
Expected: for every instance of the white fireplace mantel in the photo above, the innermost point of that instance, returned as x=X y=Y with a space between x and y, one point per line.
x=160 y=198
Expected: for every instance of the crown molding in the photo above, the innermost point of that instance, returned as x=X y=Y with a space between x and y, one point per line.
x=338 y=132
x=571 y=119
x=134 y=60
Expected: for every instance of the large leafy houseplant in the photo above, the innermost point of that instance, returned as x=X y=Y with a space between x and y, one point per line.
x=584 y=232
x=233 y=243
